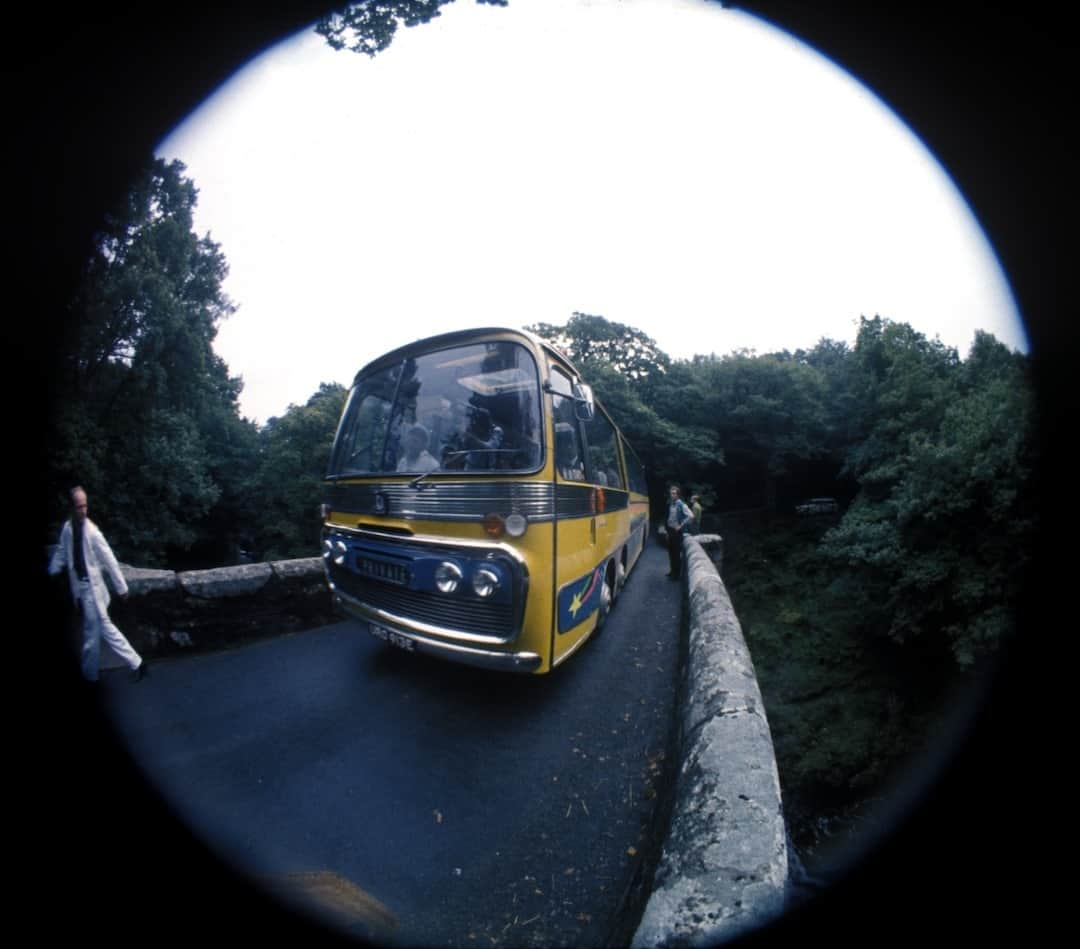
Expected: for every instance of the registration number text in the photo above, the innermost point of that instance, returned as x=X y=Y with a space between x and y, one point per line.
x=389 y=636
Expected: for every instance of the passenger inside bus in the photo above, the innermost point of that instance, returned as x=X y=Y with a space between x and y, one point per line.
x=414 y=454
x=467 y=433
x=567 y=458
x=476 y=438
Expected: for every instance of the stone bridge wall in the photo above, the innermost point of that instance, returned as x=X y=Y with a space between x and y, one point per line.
x=724 y=866
x=167 y=613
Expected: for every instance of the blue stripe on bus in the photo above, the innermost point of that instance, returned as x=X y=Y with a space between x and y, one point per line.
x=580 y=599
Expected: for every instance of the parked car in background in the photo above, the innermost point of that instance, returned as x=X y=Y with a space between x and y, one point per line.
x=817 y=506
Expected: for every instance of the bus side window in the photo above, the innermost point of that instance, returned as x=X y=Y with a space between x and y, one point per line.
x=568 y=456
x=635 y=473
x=603 y=451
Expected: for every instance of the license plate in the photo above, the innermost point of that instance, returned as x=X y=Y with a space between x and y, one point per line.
x=389 y=636
x=383 y=570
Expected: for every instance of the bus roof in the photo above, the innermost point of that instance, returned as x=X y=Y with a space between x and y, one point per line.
x=456 y=337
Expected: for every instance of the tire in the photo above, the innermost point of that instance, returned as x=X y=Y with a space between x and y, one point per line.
x=607 y=599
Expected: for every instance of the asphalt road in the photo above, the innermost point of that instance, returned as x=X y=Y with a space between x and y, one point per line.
x=420 y=802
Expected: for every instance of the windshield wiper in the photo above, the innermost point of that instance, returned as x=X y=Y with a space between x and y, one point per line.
x=415 y=483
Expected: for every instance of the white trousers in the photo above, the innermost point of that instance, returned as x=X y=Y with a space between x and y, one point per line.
x=97 y=626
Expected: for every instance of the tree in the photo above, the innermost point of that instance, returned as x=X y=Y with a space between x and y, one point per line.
x=671 y=451
x=286 y=486
x=627 y=370
x=147 y=412
x=767 y=412
x=370 y=26
x=941 y=531
x=589 y=340
x=901 y=383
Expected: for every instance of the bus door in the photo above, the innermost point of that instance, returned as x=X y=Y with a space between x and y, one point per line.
x=578 y=573
x=612 y=499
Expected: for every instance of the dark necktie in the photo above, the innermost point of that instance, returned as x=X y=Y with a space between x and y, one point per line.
x=77 y=544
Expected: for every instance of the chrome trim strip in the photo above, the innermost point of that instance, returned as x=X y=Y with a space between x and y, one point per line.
x=428 y=540
x=412 y=627
x=445 y=500
x=469 y=655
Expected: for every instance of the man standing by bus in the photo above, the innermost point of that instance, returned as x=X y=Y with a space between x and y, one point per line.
x=678 y=516
x=86 y=554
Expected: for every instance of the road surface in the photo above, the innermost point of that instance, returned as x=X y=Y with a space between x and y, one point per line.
x=418 y=802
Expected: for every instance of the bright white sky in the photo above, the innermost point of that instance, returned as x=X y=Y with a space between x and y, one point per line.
x=668 y=164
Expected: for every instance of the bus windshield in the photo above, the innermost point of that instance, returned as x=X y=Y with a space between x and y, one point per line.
x=470 y=408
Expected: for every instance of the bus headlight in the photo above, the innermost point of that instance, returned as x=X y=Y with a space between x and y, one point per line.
x=447 y=576
x=334 y=550
x=485 y=581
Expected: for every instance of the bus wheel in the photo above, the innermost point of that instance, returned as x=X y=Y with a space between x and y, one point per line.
x=606 y=597
x=620 y=576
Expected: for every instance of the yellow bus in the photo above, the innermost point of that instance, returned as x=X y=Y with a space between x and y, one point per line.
x=480 y=505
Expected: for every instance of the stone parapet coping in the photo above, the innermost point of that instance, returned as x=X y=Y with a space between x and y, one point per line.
x=724 y=865
x=169 y=612
x=240 y=580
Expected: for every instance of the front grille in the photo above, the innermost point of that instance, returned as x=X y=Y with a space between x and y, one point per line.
x=452 y=612
x=444 y=500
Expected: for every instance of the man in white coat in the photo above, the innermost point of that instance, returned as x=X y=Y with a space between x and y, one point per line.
x=85 y=553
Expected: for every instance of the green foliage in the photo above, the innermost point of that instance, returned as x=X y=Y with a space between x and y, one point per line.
x=768 y=412
x=145 y=407
x=286 y=485
x=592 y=341
x=626 y=369
x=941 y=532
x=936 y=543
x=901 y=384
x=847 y=712
x=370 y=26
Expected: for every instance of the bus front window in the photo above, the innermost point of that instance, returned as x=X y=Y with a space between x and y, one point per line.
x=470 y=408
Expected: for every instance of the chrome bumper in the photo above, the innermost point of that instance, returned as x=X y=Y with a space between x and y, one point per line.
x=454 y=652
